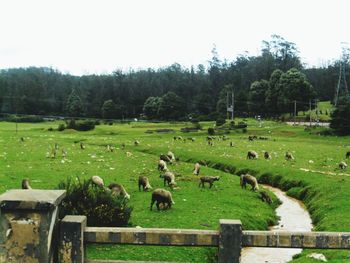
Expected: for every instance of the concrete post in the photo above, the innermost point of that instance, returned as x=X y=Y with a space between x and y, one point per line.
x=72 y=248
x=230 y=241
x=27 y=225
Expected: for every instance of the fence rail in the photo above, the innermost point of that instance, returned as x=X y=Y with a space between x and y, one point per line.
x=29 y=218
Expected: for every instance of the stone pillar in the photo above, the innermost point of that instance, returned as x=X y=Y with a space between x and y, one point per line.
x=27 y=225
x=230 y=241
x=72 y=239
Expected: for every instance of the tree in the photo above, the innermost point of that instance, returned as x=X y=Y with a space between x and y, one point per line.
x=295 y=87
x=172 y=107
x=74 y=105
x=273 y=92
x=256 y=97
x=108 y=109
x=341 y=119
x=151 y=107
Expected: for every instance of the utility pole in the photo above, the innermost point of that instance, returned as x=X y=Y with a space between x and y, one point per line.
x=227 y=103
x=295 y=110
x=316 y=107
x=233 y=105
x=310 y=111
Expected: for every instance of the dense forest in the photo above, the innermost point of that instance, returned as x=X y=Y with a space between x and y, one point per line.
x=266 y=84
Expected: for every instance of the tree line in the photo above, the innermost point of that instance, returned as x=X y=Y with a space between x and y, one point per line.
x=265 y=84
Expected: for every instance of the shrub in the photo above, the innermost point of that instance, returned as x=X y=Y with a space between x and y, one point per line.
x=61 y=127
x=220 y=121
x=211 y=131
x=99 y=206
x=50 y=129
x=86 y=125
x=28 y=118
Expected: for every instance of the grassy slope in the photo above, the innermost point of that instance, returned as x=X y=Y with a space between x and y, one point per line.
x=326 y=195
x=195 y=208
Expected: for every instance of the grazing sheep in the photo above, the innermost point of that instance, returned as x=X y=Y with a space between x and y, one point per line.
x=161 y=196
x=82 y=146
x=162 y=166
x=118 y=189
x=97 y=180
x=165 y=158
x=347 y=155
x=25 y=184
x=265 y=197
x=196 y=169
x=56 y=146
x=136 y=142
x=252 y=155
x=53 y=153
x=267 y=155
x=247 y=178
x=231 y=144
x=289 y=156
x=208 y=179
x=128 y=154
x=169 y=178
x=64 y=153
x=144 y=182
x=191 y=139
x=171 y=156
x=178 y=138
x=343 y=165
x=110 y=148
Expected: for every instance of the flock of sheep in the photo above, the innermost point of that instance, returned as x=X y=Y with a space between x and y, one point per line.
x=162 y=197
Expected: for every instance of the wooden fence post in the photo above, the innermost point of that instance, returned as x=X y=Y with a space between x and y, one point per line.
x=28 y=225
x=72 y=247
x=230 y=241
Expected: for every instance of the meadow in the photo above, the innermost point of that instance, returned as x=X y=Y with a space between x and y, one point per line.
x=313 y=177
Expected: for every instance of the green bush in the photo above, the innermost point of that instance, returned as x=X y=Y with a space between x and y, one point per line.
x=85 y=125
x=211 y=131
x=61 y=127
x=220 y=121
x=99 y=206
x=27 y=118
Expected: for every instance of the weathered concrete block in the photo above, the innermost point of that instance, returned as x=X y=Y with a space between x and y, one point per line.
x=72 y=248
x=230 y=241
x=27 y=221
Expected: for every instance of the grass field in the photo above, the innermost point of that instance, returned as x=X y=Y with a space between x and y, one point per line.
x=313 y=177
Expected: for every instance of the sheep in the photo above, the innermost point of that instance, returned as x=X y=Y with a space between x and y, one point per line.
x=22 y=139
x=136 y=143
x=196 y=169
x=165 y=158
x=118 y=189
x=252 y=155
x=171 y=156
x=247 y=178
x=191 y=139
x=162 y=166
x=144 y=182
x=64 y=153
x=265 y=197
x=347 y=155
x=53 y=153
x=128 y=154
x=56 y=146
x=208 y=179
x=82 y=146
x=25 y=184
x=110 y=148
x=169 y=178
x=161 y=196
x=97 y=180
x=343 y=165
x=289 y=156
x=267 y=155
x=231 y=144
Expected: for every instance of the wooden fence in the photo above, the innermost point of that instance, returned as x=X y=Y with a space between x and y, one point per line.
x=30 y=232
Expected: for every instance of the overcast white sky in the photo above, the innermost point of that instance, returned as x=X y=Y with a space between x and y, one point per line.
x=99 y=36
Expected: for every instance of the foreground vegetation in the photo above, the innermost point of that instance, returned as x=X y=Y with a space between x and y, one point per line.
x=312 y=177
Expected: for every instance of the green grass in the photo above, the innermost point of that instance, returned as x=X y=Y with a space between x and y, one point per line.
x=324 y=189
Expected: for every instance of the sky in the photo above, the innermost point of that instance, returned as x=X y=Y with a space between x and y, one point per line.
x=100 y=36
